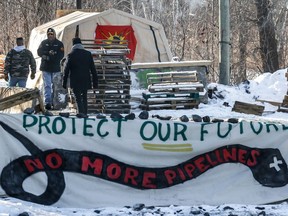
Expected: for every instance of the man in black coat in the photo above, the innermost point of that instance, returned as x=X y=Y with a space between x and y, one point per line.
x=78 y=67
x=51 y=51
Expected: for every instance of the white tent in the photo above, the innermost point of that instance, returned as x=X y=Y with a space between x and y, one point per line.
x=152 y=44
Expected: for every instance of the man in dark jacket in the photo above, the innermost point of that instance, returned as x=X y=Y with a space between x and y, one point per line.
x=17 y=64
x=78 y=67
x=51 y=51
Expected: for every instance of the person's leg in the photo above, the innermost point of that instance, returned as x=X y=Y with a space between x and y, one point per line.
x=22 y=82
x=84 y=101
x=56 y=84
x=78 y=97
x=12 y=81
x=47 y=82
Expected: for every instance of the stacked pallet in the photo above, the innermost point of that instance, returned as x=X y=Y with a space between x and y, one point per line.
x=113 y=93
x=172 y=90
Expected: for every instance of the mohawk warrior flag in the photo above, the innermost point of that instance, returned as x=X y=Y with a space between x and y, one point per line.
x=122 y=33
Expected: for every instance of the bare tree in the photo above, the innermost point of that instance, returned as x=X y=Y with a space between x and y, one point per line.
x=191 y=27
x=268 y=43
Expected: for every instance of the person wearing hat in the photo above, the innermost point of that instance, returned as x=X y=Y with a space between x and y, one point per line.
x=17 y=62
x=51 y=51
x=78 y=67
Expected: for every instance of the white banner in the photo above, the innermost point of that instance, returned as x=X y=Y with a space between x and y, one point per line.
x=71 y=162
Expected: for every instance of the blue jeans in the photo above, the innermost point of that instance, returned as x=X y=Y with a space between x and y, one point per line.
x=48 y=86
x=21 y=81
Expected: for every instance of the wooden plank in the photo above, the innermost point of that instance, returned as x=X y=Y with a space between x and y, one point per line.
x=109 y=111
x=172 y=73
x=193 y=87
x=20 y=98
x=172 y=77
x=168 y=80
x=148 y=96
x=168 y=100
x=173 y=106
x=109 y=96
x=108 y=50
x=169 y=103
x=274 y=103
x=104 y=88
x=248 y=108
x=114 y=81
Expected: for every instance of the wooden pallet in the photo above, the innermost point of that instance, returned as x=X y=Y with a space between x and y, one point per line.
x=180 y=87
x=172 y=90
x=171 y=77
x=166 y=103
x=248 y=108
x=114 y=81
x=147 y=96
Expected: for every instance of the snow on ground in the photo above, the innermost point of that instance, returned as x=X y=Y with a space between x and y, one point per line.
x=267 y=87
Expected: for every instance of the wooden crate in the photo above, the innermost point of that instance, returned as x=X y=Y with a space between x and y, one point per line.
x=248 y=108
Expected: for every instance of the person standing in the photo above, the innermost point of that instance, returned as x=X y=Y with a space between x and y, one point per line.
x=78 y=67
x=17 y=62
x=51 y=51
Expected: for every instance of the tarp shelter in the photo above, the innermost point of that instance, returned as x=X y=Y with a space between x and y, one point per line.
x=152 y=44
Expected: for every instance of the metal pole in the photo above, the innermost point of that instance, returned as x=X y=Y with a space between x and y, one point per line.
x=224 y=37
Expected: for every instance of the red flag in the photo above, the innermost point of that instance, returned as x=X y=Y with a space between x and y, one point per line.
x=109 y=32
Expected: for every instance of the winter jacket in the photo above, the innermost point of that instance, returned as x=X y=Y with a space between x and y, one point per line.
x=17 y=62
x=79 y=66
x=51 y=53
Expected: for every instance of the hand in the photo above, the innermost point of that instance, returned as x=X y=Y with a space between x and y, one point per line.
x=6 y=77
x=52 y=52
x=32 y=76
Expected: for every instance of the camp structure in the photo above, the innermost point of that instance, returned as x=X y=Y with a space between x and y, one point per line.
x=151 y=42
x=146 y=41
